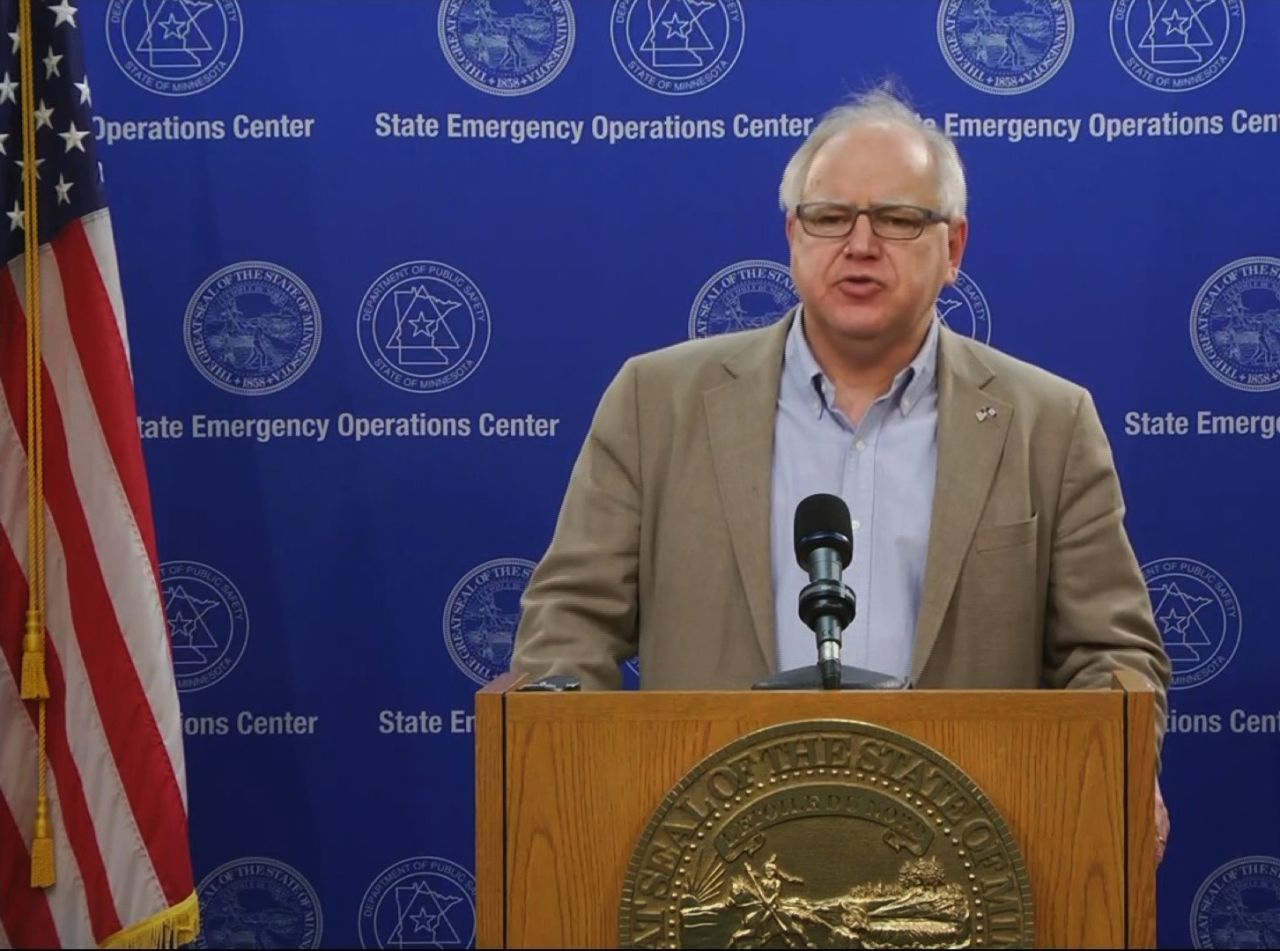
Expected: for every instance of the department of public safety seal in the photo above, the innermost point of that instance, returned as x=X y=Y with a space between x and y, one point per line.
x=420 y=902
x=423 y=326
x=174 y=47
x=1199 y=618
x=1176 y=45
x=677 y=47
x=963 y=307
x=208 y=623
x=826 y=834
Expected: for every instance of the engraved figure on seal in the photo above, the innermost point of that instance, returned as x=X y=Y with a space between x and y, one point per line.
x=738 y=317
x=494 y=630
x=1009 y=41
x=510 y=44
x=1250 y=337
x=826 y=834
x=921 y=909
x=760 y=894
x=252 y=332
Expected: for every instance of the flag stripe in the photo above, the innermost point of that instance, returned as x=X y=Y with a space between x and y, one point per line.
x=102 y=241
x=131 y=733
x=24 y=911
x=82 y=909
x=106 y=370
x=75 y=820
x=119 y=882
x=127 y=720
x=132 y=582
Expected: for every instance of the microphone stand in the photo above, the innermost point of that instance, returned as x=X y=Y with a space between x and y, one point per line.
x=828 y=606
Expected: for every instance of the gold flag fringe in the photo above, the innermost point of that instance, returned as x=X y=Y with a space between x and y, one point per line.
x=171 y=928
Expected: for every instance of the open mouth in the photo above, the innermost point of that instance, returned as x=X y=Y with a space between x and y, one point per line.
x=859 y=285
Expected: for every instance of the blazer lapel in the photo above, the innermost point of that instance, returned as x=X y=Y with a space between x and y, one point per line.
x=970 y=441
x=740 y=417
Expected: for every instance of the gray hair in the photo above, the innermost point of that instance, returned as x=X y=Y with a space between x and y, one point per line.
x=876 y=107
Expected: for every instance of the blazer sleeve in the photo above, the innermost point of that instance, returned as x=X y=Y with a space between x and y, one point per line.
x=579 y=611
x=1098 y=616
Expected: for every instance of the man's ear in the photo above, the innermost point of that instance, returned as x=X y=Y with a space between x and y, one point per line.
x=957 y=239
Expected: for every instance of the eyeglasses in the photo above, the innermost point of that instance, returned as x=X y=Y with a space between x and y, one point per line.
x=832 y=219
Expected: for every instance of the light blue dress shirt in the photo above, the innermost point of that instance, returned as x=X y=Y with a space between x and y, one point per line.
x=885 y=469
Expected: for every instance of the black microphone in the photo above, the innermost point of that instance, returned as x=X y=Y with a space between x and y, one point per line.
x=824 y=546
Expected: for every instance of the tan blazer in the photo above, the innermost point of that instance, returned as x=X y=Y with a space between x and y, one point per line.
x=662 y=547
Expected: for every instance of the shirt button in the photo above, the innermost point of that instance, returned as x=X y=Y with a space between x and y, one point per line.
x=906 y=404
x=860 y=445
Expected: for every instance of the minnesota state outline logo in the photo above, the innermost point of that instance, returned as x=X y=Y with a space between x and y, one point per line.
x=506 y=47
x=208 y=623
x=252 y=328
x=677 y=47
x=481 y=615
x=258 y=902
x=745 y=295
x=1176 y=45
x=423 y=326
x=1235 y=324
x=1198 y=615
x=175 y=47
x=963 y=307
x=1238 y=905
x=1005 y=47
x=419 y=902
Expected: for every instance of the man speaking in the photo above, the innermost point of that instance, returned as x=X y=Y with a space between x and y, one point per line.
x=989 y=549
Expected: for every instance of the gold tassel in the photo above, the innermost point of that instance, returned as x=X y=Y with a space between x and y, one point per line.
x=42 y=873
x=35 y=684
x=171 y=928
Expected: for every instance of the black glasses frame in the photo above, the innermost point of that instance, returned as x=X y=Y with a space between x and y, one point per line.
x=805 y=209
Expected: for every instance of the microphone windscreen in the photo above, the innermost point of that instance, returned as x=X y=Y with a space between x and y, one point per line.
x=822 y=520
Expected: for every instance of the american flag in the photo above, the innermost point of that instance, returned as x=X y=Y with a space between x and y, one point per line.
x=116 y=776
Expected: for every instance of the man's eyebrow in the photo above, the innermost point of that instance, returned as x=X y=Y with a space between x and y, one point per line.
x=887 y=200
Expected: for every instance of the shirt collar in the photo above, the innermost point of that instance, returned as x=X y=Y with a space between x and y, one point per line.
x=802 y=370
x=910 y=385
x=920 y=376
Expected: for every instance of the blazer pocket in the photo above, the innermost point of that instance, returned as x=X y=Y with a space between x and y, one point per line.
x=993 y=537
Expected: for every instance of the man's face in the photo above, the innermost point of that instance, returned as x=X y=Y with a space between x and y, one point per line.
x=863 y=288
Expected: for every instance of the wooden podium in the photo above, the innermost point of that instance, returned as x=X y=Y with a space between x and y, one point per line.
x=566 y=782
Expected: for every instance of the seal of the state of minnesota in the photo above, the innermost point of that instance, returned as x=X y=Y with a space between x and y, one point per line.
x=826 y=834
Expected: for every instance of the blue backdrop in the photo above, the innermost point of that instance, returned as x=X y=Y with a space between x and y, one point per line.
x=380 y=258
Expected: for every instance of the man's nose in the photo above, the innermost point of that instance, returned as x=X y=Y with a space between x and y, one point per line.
x=862 y=241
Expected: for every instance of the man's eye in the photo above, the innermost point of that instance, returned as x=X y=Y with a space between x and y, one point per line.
x=900 y=220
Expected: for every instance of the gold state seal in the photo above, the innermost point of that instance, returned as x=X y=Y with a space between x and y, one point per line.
x=826 y=834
